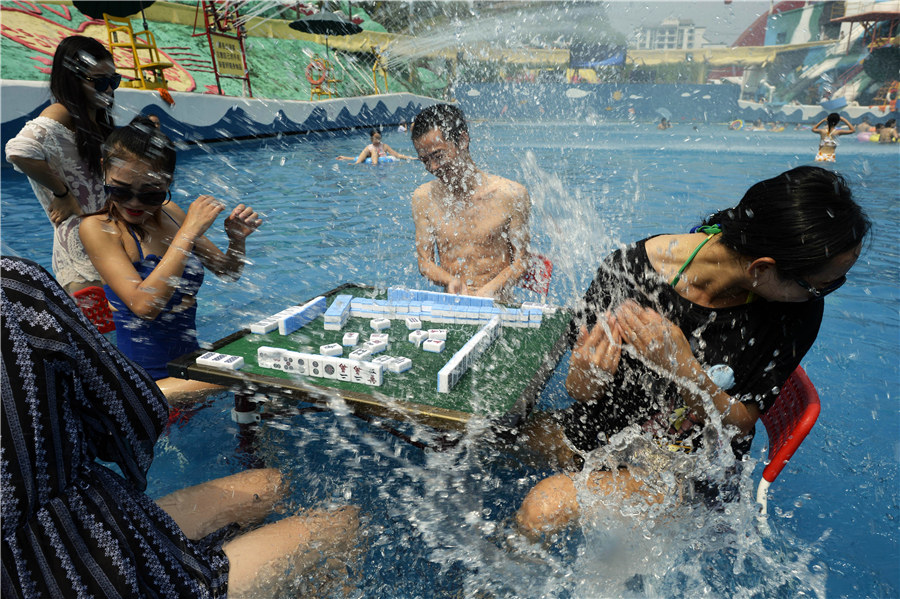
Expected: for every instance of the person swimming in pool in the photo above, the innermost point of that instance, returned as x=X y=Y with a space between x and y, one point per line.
x=888 y=133
x=680 y=336
x=151 y=254
x=474 y=223
x=376 y=151
x=828 y=136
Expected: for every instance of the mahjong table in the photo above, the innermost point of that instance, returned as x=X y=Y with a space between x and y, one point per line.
x=502 y=385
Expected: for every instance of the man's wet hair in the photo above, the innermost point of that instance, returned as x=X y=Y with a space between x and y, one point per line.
x=446 y=118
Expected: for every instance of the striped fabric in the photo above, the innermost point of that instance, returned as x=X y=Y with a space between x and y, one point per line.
x=71 y=526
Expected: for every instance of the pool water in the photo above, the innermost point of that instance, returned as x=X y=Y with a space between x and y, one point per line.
x=438 y=524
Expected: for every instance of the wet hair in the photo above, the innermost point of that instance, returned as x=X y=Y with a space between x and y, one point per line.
x=140 y=139
x=73 y=58
x=446 y=118
x=373 y=133
x=802 y=219
x=890 y=122
x=833 y=119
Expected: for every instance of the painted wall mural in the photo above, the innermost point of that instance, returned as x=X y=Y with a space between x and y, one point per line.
x=40 y=27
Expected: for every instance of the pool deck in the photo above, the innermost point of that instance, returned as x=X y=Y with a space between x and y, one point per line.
x=204 y=118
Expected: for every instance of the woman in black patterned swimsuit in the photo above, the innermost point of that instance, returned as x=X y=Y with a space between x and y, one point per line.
x=71 y=526
x=680 y=332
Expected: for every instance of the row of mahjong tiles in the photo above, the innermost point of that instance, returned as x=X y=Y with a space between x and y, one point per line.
x=401 y=303
x=360 y=366
x=441 y=308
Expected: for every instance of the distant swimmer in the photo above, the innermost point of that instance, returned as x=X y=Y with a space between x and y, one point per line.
x=471 y=226
x=664 y=123
x=375 y=151
x=888 y=133
x=828 y=136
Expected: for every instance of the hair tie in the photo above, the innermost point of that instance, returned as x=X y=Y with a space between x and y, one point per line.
x=708 y=229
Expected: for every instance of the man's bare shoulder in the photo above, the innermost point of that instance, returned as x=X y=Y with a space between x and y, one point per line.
x=424 y=195
x=505 y=190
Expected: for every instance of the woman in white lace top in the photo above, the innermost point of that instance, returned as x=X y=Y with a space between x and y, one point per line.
x=59 y=151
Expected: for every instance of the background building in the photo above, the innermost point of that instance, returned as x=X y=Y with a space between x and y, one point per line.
x=671 y=34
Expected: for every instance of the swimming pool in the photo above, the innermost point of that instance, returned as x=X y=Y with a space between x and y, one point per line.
x=437 y=522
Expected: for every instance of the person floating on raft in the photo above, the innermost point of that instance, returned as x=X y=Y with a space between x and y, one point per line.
x=377 y=152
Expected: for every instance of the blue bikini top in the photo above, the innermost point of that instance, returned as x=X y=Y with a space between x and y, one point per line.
x=189 y=284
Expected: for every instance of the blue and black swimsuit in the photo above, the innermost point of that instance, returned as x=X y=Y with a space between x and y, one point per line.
x=153 y=343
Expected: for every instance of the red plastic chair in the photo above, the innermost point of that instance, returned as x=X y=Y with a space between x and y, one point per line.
x=537 y=278
x=787 y=423
x=93 y=304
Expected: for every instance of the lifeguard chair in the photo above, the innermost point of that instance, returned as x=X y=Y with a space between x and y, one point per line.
x=146 y=63
x=787 y=423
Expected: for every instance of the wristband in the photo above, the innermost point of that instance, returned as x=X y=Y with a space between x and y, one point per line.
x=63 y=194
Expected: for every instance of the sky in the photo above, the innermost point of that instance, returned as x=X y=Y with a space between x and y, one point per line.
x=724 y=22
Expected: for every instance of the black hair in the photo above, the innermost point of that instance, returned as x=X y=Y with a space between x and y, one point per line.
x=73 y=58
x=140 y=139
x=833 y=119
x=890 y=122
x=373 y=132
x=802 y=219
x=446 y=118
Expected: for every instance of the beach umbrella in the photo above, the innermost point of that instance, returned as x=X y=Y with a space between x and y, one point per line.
x=123 y=8
x=326 y=23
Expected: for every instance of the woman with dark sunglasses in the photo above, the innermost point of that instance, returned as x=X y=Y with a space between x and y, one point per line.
x=59 y=151
x=689 y=337
x=151 y=254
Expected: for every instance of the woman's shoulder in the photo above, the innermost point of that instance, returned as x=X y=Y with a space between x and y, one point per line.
x=95 y=224
x=56 y=113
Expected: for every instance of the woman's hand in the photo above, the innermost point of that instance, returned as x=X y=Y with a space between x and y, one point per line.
x=595 y=358
x=62 y=208
x=200 y=215
x=242 y=221
x=658 y=340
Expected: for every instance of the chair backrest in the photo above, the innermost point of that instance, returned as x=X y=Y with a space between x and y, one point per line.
x=92 y=301
x=537 y=277
x=787 y=423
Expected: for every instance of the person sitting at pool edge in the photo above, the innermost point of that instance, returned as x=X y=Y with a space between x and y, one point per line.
x=151 y=254
x=476 y=223
x=376 y=151
x=678 y=333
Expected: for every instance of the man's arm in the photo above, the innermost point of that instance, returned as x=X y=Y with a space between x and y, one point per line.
x=518 y=239
x=425 y=241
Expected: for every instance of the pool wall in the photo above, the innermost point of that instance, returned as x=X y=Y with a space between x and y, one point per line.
x=206 y=117
x=635 y=101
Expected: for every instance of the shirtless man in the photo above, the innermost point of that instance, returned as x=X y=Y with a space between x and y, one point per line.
x=477 y=222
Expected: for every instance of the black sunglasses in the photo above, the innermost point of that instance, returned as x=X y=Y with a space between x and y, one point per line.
x=820 y=293
x=121 y=195
x=101 y=83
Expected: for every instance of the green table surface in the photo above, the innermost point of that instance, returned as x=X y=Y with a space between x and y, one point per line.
x=505 y=380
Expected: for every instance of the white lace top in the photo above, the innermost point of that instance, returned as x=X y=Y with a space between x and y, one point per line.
x=47 y=139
